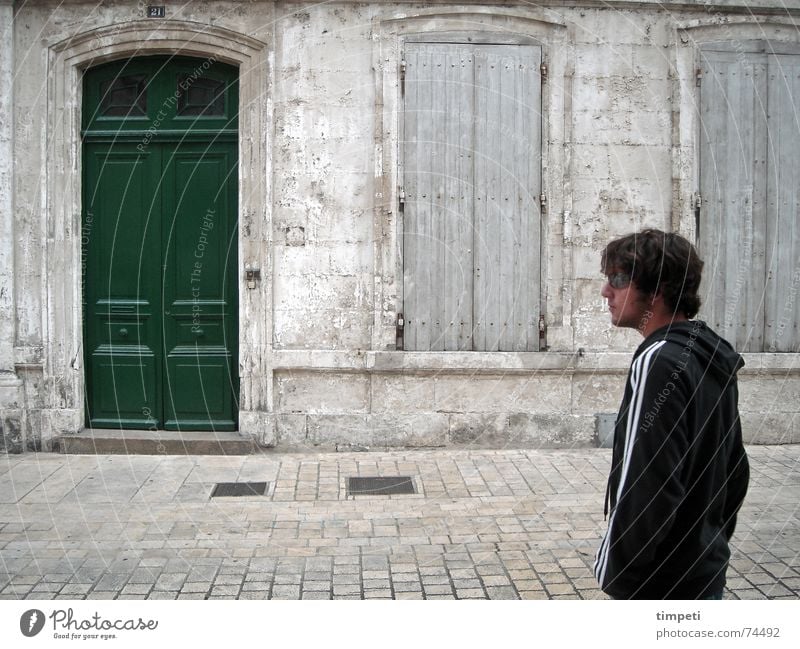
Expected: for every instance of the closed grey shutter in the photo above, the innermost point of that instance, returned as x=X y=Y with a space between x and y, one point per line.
x=472 y=178
x=733 y=185
x=437 y=238
x=749 y=228
x=782 y=295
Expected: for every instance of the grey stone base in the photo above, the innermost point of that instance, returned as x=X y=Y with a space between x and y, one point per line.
x=432 y=430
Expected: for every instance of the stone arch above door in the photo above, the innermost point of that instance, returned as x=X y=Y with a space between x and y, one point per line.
x=62 y=207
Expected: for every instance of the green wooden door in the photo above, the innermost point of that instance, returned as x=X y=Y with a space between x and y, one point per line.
x=160 y=245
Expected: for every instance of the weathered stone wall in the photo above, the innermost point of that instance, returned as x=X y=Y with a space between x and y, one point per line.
x=318 y=201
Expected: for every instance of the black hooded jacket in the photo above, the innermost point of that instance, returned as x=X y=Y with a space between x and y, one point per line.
x=679 y=471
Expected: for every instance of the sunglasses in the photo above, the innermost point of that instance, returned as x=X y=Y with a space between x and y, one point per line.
x=619 y=280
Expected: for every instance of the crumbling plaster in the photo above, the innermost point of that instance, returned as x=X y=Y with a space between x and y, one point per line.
x=319 y=134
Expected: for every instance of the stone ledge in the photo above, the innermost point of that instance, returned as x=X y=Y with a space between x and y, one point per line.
x=143 y=442
x=454 y=362
x=496 y=362
x=434 y=429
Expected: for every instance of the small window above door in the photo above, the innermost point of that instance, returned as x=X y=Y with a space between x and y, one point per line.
x=124 y=96
x=200 y=96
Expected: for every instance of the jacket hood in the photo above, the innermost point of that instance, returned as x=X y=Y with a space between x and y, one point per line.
x=713 y=352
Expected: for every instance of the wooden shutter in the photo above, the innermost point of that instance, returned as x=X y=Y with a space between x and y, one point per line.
x=748 y=226
x=472 y=178
x=733 y=185
x=437 y=238
x=782 y=294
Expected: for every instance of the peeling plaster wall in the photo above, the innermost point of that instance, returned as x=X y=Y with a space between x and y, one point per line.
x=619 y=155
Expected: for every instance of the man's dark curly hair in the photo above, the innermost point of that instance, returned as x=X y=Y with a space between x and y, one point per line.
x=658 y=260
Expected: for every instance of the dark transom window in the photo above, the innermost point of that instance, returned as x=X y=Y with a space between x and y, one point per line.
x=200 y=96
x=124 y=96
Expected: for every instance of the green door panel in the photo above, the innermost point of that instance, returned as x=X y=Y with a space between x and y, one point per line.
x=122 y=389
x=199 y=288
x=122 y=320
x=159 y=249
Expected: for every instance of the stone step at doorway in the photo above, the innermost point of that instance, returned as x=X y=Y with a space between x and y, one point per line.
x=161 y=442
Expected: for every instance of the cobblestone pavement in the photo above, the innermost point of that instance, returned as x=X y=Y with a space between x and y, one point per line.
x=496 y=524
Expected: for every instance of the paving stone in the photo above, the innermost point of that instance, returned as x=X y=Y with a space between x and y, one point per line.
x=111 y=583
x=163 y=594
x=76 y=589
x=346 y=589
x=311 y=594
x=169 y=582
x=560 y=589
x=224 y=591
x=501 y=592
x=408 y=595
x=282 y=591
x=534 y=594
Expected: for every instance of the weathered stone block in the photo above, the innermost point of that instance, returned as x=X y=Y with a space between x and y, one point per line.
x=774 y=393
x=402 y=394
x=591 y=60
x=291 y=431
x=768 y=428
x=600 y=392
x=542 y=392
x=258 y=425
x=321 y=393
x=521 y=429
x=371 y=431
x=327 y=329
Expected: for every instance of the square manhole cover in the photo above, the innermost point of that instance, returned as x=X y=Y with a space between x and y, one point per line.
x=228 y=489
x=380 y=486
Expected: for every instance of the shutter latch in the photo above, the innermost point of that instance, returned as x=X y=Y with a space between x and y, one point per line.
x=399 y=331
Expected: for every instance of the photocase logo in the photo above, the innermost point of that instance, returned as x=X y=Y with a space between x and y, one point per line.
x=31 y=622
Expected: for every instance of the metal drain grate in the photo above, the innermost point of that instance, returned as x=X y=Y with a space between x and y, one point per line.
x=228 y=489
x=380 y=486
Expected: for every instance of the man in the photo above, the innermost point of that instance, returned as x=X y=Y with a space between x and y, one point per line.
x=679 y=471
